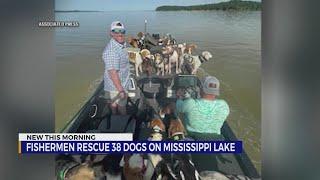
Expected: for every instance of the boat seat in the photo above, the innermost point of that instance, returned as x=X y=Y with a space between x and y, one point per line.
x=118 y=124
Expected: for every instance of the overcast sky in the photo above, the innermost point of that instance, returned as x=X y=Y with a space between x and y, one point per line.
x=118 y=5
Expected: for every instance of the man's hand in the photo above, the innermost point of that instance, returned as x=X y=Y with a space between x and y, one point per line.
x=122 y=95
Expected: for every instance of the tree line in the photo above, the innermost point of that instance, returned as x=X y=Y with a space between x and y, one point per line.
x=231 y=5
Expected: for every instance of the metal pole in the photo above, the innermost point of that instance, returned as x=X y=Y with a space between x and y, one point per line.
x=145 y=26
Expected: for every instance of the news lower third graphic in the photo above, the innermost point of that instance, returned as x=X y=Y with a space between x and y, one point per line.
x=78 y=143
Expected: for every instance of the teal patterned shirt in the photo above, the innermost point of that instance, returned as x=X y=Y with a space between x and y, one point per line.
x=203 y=116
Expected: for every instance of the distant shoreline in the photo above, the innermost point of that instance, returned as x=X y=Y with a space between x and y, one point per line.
x=232 y=5
x=75 y=11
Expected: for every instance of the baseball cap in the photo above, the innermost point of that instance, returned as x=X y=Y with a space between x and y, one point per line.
x=117 y=25
x=210 y=85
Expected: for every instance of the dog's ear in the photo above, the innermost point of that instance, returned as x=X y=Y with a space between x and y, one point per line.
x=152 y=123
x=159 y=123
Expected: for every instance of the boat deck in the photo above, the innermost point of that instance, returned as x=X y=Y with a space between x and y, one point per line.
x=225 y=163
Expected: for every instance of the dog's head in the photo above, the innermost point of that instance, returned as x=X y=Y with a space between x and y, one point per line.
x=129 y=39
x=133 y=166
x=157 y=136
x=133 y=42
x=167 y=50
x=188 y=58
x=180 y=46
x=133 y=160
x=145 y=53
x=82 y=172
x=207 y=55
x=152 y=57
x=176 y=129
x=158 y=58
x=140 y=35
x=165 y=41
x=191 y=47
x=132 y=56
x=168 y=109
x=157 y=125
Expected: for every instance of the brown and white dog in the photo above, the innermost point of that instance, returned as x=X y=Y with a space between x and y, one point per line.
x=159 y=64
x=147 y=59
x=183 y=167
x=157 y=125
x=145 y=53
x=157 y=168
x=137 y=57
x=167 y=109
x=182 y=48
x=176 y=130
x=181 y=52
x=133 y=42
x=173 y=58
x=133 y=166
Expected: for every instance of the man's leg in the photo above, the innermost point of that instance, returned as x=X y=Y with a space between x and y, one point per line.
x=122 y=109
x=117 y=105
x=109 y=95
x=114 y=107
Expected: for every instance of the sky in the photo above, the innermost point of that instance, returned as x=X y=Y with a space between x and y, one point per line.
x=120 y=5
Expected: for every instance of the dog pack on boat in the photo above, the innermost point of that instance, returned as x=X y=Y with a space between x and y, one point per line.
x=159 y=66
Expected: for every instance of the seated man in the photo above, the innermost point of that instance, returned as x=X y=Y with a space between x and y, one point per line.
x=205 y=115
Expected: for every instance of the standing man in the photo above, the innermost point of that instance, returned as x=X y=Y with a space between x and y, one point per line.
x=117 y=70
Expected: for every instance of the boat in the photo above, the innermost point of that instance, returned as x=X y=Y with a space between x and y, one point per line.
x=146 y=95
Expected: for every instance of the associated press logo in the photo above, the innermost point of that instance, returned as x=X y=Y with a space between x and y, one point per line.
x=58 y=24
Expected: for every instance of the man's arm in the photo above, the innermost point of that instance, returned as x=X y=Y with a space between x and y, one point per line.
x=114 y=76
x=224 y=110
x=183 y=106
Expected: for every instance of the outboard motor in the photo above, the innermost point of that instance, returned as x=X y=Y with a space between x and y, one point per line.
x=156 y=36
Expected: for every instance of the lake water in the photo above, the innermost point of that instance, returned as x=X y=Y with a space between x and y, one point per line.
x=233 y=38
